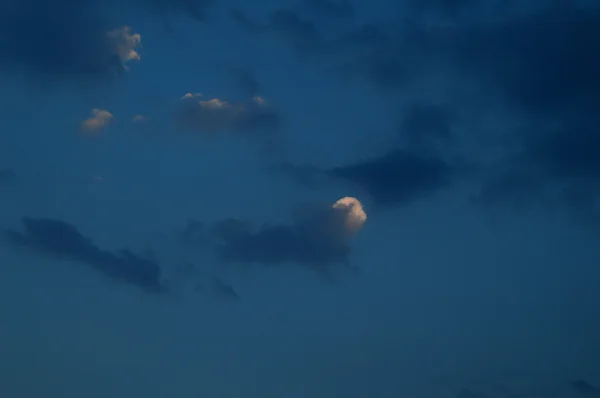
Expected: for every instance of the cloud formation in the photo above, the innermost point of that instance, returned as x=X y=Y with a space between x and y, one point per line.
x=300 y=33
x=58 y=239
x=530 y=68
x=317 y=238
x=196 y=9
x=62 y=41
x=195 y=114
x=396 y=178
x=426 y=125
x=125 y=44
x=331 y=8
x=98 y=121
x=399 y=177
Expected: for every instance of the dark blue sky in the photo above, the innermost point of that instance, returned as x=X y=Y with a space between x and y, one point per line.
x=168 y=171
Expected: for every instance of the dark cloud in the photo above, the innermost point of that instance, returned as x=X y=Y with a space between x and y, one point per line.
x=79 y=41
x=196 y=9
x=247 y=82
x=397 y=178
x=400 y=177
x=443 y=7
x=58 y=239
x=427 y=125
x=197 y=114
x=365 y=36
x=193 y=233
x=223 y=290
x=331 y=8
x=243 y=21
x=556 y=169
x=585 y=389
x=300 y=33
x=304 y=36
x=65 y=40
x=318 y=238
x=544 y=66
x=533 y=70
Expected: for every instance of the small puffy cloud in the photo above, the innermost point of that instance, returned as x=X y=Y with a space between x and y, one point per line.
x=353 y=214
x=198 y=115
x=97 y=122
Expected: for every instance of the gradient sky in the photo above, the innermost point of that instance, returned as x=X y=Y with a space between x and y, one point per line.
x=469 y=131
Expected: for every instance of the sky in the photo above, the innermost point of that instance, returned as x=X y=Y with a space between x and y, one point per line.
x=299 y=198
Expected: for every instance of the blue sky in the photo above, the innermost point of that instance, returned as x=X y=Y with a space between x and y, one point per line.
x=468 y=130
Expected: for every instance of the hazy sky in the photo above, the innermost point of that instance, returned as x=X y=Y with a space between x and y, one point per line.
x=168 y=171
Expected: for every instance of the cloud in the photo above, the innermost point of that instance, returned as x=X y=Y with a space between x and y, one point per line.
x=125 y=44
x=396 y=178
x=317 y=238
x=294 y=27
x=62 y=41
x=542 y=66
x=530 y=69
x=399 y=177
x=57 y=239
x=331 y=8
x=353 y=216
x=196 y=9
x=427 y=125
x=98 y=121
x=301 y=34
x=213 y=116
x=558 y=169
x=245 y=81
x=447 y=8
x=584 y=388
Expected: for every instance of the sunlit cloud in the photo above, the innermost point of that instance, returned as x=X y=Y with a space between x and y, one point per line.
x=353 y=214
x=214 y=115
x=125 y=44
x=97 y=122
